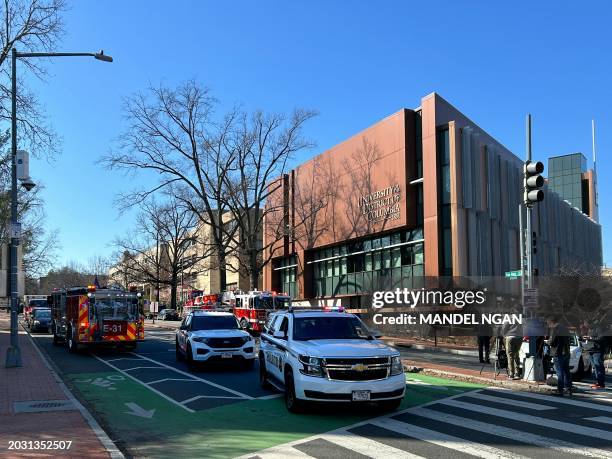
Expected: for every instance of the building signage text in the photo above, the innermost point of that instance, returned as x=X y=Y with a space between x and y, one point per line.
x=382 y=204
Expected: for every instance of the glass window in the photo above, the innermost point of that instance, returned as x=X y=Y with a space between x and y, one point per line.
x=418 y=254
x=386 y=259
x=377 y=259
x=368 y=262
x=396 y=257
x=343 y=266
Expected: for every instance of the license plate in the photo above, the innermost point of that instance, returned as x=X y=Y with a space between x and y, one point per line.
x=361 y=395
x=226 y=355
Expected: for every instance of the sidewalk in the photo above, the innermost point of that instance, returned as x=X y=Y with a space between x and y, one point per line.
x=36 y=381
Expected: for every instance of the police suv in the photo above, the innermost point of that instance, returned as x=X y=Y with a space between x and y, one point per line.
x=206 y=336
x=315 y=355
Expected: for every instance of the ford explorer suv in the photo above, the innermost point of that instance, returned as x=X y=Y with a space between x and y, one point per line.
x=313 y=355
x=207 y=336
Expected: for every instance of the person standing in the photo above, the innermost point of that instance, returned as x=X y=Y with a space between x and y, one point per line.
x=559 y=341
x=513 y=338
x=597 y=346
x=485 y=331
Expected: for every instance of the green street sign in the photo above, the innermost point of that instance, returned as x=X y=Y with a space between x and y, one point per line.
x=513 y=274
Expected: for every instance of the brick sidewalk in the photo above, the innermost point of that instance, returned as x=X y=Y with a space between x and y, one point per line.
x=34 y=381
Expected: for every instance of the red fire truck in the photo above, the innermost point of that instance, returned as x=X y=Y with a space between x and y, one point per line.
x=208 y=302
x=252 y=308
x=90 y=316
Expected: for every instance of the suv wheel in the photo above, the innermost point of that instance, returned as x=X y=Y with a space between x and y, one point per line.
x=179 y=353
x=189 y=356
x=292 y=403
x=263 y=375
x=579 y=372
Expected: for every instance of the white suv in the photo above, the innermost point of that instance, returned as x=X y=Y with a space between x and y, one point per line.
x=328 y=356
x=206 y=336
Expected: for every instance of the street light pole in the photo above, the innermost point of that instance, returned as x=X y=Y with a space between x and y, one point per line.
x=13 y=352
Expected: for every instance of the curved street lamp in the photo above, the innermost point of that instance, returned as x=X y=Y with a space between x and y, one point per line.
x=13 y=352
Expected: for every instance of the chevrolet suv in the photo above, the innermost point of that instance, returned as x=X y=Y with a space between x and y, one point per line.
x=328 y=357
x=206 y=336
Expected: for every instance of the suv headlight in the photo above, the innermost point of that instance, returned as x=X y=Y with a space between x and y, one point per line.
x=246 y=339
x=396 y=366
x=199 y=339
x=313 y=366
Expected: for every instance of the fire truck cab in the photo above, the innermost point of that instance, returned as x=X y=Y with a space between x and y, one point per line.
x=97 y=317
x=252 y=308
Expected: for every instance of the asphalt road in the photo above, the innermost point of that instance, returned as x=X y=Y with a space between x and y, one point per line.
x=153 y=406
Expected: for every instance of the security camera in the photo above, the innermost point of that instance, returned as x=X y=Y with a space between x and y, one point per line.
x=28 y=184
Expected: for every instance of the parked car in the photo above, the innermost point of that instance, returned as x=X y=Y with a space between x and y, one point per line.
x=40 y=320
x=168 y=314
x=206 y=336
x=328 y=357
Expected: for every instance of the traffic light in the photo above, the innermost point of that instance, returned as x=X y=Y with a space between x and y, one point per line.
x=532 y=182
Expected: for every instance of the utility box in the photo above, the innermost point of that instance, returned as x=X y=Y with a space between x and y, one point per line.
x=23 y=165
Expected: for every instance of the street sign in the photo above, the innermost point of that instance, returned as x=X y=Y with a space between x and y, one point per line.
x=513 y=274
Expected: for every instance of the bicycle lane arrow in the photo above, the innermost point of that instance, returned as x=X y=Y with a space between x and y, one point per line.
x=137 y=410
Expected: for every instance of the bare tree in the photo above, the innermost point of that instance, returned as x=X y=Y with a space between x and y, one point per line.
x=160 y=246
x=262 y=145
x=171 y=133
x=30 y=25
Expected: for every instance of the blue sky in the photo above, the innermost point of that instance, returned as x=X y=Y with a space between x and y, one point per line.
x=354 y=62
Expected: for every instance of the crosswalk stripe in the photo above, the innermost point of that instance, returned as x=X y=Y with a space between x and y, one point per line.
x=520 y=436
x=441 y=439
x=507 y=401
x=602 y=419
x=548 y=398
x=367 y=446
x=575 y=428
x=279 y=452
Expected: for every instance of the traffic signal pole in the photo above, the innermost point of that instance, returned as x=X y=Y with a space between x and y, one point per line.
x=532 y=194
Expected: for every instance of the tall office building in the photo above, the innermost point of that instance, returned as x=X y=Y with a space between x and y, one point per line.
x=423 y=192
x=569 y=178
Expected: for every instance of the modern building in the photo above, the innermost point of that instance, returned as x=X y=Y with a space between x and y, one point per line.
x=424 y=192
x=569 y=178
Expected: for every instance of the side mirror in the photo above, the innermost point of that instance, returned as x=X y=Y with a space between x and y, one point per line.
x=279 y=334
x=376 y=333
x=183 y=327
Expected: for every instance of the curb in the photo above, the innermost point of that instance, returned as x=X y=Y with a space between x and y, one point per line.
x=539 y=388
x=445 y=350
x=107 y=443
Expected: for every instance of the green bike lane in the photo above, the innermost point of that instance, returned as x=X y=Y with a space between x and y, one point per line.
x=144 y=423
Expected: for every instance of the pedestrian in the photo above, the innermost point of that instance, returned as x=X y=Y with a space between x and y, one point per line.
x=513 y=338
x=596 y=345
x=485 y=332
x=559 y=341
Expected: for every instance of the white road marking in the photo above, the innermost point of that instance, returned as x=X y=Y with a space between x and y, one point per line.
x=168 y=379
x=603 y=419
x=565 y=426
x=518 y=435
x=122 y=358
x=218 y=386
x=161 y=394
x=142 y=368
x=137 y=410
x=512 y=402
x=442 y=439
x=268 y=397
x=198 y=397
x=549 y=398
x=366 y=446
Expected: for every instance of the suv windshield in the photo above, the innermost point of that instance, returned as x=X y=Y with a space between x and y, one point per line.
x=308 y=328
x=42 y=313
x=37 y=303
x=214 y=323
x=264 y=302
x=116 y=308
